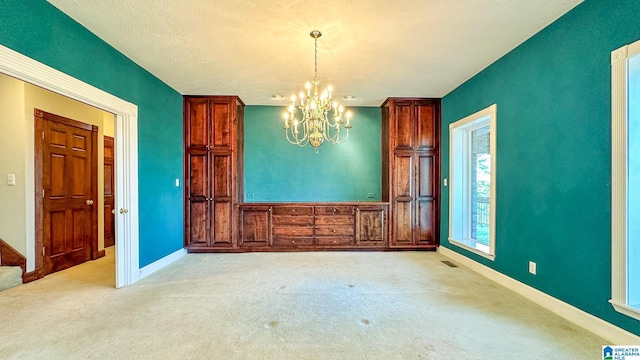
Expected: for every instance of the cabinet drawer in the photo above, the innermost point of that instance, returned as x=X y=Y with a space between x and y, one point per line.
x=334 y=210
x=292 y=220
x=335 y=241
x=287 y=241
x=292 y=231
x=334 y=220
x=292 y=210
x=334 y=230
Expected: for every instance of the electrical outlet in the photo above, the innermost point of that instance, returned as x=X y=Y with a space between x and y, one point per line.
x=251 y=195
x=532 y=267
x=11 y=179
x=371 y=195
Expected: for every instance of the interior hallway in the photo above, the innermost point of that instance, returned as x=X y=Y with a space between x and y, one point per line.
x=316 y=305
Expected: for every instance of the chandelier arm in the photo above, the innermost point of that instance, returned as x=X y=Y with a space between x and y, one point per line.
x=300 y=142
x=335 y=138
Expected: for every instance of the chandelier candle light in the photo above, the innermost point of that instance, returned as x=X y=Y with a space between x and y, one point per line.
x=314 y=126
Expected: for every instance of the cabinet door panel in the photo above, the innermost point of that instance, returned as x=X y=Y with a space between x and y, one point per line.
x=425 y=178
x=198 y=175
x=221 y=224
x=198 y=222
x=255 y=227
x=425 y=227
x=370 y=227
x=403 y=176
x=197 y=123
x=402 y=232
x=222 y=122
x=221 y=176
x=404 y=124
x=426 y=132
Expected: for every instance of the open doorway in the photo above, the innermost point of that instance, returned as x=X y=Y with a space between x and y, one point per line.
x=23 y=68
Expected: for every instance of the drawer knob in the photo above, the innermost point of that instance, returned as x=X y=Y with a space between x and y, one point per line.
x=334 y=241
x=293 y=210
x=334 y=221
x=334 y=210
x=334 y=231
x=293 y=221
x=293 y=241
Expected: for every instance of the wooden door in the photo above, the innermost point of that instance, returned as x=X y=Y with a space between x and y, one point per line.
x=404 y=123
x=109 y=212
x=426 y=125
x=403 y=199
x=222 y=199
x=66 y=179
x=198 y=199
x=425 y=229
x=255 y=226
x=371 y=225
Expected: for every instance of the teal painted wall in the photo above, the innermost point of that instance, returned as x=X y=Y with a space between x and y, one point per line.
x=554 y=154
x=38 y=30
x=278 y=171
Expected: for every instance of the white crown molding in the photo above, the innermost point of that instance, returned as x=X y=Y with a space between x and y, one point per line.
x=604 y=329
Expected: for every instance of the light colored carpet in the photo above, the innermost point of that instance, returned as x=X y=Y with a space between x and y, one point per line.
x=319 y=305
x=10 y=276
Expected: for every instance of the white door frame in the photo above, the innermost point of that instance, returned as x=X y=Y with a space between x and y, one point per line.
x=24 y=68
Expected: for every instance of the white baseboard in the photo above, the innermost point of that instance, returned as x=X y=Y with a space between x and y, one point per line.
x=159 y=264
x=606 y=330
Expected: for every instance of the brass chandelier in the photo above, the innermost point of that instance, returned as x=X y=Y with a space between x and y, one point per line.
x=314 y=126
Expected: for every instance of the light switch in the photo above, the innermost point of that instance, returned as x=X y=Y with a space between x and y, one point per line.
x=177 y=182
x=11 y=179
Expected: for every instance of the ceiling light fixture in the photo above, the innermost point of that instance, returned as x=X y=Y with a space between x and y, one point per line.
x=314 y=125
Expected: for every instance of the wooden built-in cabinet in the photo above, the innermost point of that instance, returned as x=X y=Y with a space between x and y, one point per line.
x=213 y=170
x=411 y=163
x=312 y=226
x=216 y=219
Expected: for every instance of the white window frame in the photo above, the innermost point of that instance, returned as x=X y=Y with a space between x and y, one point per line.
x=619 y=152
x=459 y=205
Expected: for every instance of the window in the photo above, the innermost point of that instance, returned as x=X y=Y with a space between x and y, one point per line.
x=472 y=185
x=625 y=183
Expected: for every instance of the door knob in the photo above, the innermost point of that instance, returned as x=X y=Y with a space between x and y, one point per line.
x=89 y=202
x=123 y=211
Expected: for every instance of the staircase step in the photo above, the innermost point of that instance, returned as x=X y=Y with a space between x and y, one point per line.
x=10 y=276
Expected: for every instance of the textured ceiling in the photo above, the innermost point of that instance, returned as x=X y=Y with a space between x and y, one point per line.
x=371 y=49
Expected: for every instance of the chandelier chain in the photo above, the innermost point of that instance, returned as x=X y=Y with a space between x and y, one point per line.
x=316 y=59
